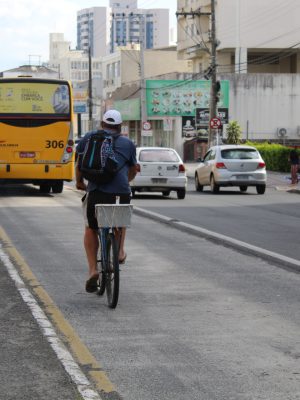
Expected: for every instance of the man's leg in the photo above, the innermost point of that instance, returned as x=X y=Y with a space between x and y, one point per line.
x=91 y=245
x=122 y=253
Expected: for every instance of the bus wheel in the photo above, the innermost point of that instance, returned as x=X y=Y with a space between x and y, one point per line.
x=45 y=187
x=57 y=187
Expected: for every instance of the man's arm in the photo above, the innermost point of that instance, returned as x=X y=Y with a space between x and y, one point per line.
x=80 y=185
x=132 y=172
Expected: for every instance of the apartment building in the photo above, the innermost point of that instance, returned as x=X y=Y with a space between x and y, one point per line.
x=73 y=65
x=253 y=36
x=93 y=30
x=149 y=27
x=103 y=29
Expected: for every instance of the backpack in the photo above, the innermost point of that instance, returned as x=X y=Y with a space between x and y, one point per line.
x=98 y=163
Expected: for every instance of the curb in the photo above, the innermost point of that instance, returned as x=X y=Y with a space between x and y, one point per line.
x=280 y=260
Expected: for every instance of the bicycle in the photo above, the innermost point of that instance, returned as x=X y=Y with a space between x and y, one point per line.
x=111 y=219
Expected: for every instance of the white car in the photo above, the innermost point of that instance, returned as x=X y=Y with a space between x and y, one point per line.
x=231 y=165
x=160 y=169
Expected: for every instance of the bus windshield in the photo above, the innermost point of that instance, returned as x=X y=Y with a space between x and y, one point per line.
x=34 y=99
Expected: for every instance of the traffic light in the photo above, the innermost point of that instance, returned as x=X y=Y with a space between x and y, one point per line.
x=218 y=91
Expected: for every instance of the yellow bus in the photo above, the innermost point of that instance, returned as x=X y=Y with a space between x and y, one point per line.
x=36 y=133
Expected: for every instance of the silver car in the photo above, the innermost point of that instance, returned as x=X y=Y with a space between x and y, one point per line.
x=231 y=165
x=160 y=169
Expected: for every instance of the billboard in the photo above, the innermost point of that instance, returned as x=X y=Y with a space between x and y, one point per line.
x=181 y=98
x=34 y=98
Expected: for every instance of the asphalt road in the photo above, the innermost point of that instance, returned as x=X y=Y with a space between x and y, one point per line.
x=270 y=221
x=195 y=320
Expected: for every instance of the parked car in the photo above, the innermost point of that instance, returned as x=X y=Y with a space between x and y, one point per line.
x=231 y=165
x=160 y=169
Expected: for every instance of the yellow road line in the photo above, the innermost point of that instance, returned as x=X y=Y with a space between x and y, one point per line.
x=69 y=336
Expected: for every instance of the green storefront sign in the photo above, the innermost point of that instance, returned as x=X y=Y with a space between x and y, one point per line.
x=129 y=109
x=181 y=98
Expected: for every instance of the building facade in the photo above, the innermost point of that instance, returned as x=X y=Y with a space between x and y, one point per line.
x=73 y=65
x=148 y=27
x=103 y=29
x=93 y=30
x=254 y=36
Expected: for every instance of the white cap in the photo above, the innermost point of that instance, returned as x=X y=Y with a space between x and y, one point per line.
x=112 y=117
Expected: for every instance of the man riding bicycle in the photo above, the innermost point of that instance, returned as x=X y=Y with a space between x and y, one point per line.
x=107 y=193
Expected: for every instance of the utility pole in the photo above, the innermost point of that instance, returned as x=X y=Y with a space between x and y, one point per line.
x=213 y=64
x=90 y=93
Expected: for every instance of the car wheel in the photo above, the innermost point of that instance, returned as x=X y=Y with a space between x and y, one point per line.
x=181 y=194
x=243 y=188
x=260 y=189
x=198 y=187
x=166 y=193
x=213 y=186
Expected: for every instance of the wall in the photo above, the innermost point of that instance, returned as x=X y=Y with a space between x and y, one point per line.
x=267 y=102
x=258 y=23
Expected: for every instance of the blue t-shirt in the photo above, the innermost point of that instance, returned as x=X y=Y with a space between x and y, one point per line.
x=125 y=153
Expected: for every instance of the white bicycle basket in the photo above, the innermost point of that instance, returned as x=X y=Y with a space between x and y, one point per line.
x=113 y=215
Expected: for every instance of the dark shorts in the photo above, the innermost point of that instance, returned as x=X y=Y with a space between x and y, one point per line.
x=91 y=198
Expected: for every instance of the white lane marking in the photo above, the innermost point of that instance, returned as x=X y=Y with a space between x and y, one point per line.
x=72 y=368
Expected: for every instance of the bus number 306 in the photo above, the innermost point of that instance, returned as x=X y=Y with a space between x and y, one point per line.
x=54 y=144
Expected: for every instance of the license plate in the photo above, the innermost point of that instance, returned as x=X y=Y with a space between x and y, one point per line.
x=242 y=177
x=27 y=154
x=159 y=180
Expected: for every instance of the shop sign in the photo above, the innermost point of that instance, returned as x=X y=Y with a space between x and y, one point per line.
x=181 y=98
x=202 y=116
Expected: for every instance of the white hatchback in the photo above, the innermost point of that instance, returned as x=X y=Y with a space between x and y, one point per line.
x=160 y=169
x=231 y=165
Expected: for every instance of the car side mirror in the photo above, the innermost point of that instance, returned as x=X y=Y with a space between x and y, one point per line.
x=199 y=159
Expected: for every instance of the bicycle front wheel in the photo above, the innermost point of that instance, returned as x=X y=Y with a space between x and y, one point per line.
x=101 y=270
x=112 y=272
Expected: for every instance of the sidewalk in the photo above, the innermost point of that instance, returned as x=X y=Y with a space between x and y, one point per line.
x=278 y=180
x=29 y=368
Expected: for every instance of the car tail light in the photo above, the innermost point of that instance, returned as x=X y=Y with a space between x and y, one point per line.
x=220 y=165
x=70 y=142
x=69 y=149
x=138 y=168
x=181 y=168
x=261 y=165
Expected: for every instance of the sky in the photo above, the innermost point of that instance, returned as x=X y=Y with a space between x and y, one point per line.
x=25 y=26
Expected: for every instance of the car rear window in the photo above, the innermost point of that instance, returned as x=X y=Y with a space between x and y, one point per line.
x=158 y=156
x=239 y=154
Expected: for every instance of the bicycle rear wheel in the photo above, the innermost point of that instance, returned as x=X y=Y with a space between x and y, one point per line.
x=101 y=270
x=112 y=277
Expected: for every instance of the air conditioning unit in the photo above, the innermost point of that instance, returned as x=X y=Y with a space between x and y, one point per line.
x=282 y=132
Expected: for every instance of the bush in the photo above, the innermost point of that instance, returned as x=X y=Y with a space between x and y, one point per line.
x=234 y=133
x=276 y=156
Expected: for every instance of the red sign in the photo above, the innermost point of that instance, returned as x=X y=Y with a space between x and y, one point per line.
x=147 y=126
x=215 y=123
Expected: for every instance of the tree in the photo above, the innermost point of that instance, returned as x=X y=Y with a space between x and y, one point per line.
x=234 y=133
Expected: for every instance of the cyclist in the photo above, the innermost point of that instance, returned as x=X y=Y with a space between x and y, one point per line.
x=105 y=193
